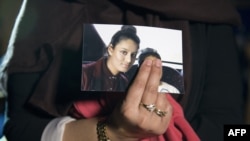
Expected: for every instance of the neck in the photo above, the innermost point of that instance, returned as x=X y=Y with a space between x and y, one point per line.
x=111 y=68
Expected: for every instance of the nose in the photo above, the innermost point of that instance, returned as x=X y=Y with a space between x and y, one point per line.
x=128 y=58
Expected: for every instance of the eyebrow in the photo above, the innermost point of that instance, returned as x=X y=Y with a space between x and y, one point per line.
x=127 y=50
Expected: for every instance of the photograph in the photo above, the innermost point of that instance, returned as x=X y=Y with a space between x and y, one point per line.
x=113 y=53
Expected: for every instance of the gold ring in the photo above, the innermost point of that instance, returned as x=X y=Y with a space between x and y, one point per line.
x=150 y=107
x=159 y=112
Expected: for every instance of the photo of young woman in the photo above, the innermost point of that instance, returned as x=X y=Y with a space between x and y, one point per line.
x=108 y=73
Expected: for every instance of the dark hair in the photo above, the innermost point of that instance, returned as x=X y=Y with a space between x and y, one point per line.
x=147 y=52
x=126 y=32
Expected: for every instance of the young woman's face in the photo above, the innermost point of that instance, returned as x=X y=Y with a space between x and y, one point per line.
x=122 y=56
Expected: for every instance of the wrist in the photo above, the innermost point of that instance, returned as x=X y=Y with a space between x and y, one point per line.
x=107 y=132
x=101 y=131
x=118 y=133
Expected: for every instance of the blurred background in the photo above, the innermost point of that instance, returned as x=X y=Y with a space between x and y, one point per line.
x=242 y=36
x=10 y=8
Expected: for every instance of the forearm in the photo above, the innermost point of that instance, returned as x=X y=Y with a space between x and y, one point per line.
x=70 y=129
x=86 y=129
x=79 y=130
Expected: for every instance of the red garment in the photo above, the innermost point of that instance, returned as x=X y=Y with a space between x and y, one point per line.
x=179 y=129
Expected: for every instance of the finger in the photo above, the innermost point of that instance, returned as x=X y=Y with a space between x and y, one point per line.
x=155 y=123
x=151 y=89
x=137 y=88
x=163 y=104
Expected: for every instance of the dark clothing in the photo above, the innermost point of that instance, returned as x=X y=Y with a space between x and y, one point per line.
x=97 y=77
x=44 y=83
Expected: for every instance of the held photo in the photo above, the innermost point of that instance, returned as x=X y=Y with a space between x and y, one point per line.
x=113 y=53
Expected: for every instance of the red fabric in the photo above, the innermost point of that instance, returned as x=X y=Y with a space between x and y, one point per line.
x=179 y=129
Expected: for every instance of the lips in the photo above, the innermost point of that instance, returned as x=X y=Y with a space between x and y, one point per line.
x=126 y=66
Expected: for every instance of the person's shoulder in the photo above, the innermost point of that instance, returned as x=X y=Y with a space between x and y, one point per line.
x=88 y=65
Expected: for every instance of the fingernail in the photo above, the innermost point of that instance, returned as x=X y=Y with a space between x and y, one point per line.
x=148 y=62
x=158 y=63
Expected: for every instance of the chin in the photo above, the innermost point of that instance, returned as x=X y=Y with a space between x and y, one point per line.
x=123 y=70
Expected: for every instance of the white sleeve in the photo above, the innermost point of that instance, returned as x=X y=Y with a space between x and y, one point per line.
x=55 y=129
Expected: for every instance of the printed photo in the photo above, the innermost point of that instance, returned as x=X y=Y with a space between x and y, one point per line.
x=113 y=53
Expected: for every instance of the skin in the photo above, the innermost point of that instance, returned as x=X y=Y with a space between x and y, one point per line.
x=122 y=56
x=130 y=121
x=151 y=57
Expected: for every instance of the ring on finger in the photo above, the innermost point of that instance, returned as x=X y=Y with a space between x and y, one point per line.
x=150 y=107
x=160 y=112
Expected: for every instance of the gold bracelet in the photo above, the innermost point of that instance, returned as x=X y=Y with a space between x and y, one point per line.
x=101 y=131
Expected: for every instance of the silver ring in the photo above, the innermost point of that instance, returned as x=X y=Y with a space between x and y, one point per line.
x=159 y=112
x=150 y=107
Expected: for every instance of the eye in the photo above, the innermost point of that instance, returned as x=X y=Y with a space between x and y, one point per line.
x=124 y=52
x=133 y=55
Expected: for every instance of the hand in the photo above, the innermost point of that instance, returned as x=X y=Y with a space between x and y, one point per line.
x=131 y=120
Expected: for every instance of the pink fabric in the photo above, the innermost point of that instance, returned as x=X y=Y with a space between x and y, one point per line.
x=179 y=129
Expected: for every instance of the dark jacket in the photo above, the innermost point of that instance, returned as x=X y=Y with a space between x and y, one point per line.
x=45 y=74
x=97 y=77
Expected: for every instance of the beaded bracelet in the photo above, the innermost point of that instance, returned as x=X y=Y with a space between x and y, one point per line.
x=101 y=131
